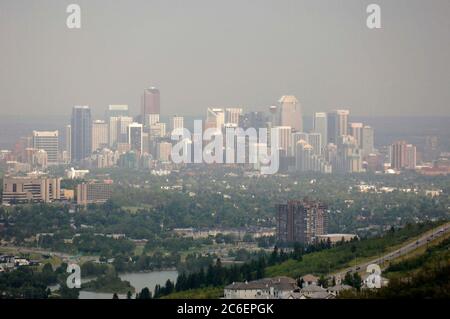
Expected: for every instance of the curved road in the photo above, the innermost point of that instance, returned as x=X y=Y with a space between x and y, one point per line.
x=407 y=248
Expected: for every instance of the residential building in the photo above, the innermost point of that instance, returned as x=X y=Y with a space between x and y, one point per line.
x=301 y=221
x=266 y=288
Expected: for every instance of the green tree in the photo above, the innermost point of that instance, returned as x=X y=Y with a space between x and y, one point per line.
x=145 y=294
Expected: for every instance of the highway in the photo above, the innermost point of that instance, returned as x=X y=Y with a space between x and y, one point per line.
x=407 y=248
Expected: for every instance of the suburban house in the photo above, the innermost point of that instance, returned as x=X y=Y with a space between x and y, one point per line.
x=267 y=288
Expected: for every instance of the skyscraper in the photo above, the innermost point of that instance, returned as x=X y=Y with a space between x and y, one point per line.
x=232 y=115
x=291 y=113
x=315 y=140
x=215 y=118
x=337 y=125
x=284 y=139
x=301 y=221
x=398 y=155
x=49 y=142
x=411 y=157
x=349 y=159
x=135 y=136
x=367 y=141
x=118 y=129
x=149 y=120
x=116 y=111
x=68 y=146
x=356 y=130
x=303 y=156
x=100 y=135
x=296 y=137
x=150 y=102
x=320 y=125
x=177 y=122
x=81 y=127
x=274 y=115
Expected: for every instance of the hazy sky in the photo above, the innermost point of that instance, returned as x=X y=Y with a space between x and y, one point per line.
x=248 y=53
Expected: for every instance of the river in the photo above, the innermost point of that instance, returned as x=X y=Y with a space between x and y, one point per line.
x=138 y=280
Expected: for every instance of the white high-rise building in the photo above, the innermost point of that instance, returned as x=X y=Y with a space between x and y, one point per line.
x=117 y=110
x=49 y=142
x=315 y=140
x=303 y=156
x=151 y=119
x=284 y=138
x=177 y=122
x=100 y=135
x=298 y=136
x=337 y=125
x=291 y=113
x=342 y=122
x=320 y=126
x=232 y=115
x=118 y=129
x=215 y=118
x=356 y=130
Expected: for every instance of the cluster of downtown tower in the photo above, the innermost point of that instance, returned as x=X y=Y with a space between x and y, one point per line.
x=328 y=143
x=334 y=144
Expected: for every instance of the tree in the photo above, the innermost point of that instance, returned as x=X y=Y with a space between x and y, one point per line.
x=356 y=281
x=115 y=296
x=145 y=294
x=129 y=294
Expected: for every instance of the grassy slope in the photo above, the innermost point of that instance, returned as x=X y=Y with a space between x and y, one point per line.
x=340 y=257
x=422 y=274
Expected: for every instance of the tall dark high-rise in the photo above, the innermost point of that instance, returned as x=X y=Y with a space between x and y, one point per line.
x=301 y=221
x=150 y=103
x=337 y=125
x=81 y=128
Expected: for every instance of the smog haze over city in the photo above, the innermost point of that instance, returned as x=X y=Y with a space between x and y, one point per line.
x=231 y=150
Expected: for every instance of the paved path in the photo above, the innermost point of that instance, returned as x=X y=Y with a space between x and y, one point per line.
x=405 y=249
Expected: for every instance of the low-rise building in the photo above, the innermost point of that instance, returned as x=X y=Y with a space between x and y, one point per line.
x=94 y=192
x=21 y=190
x=267 y=288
